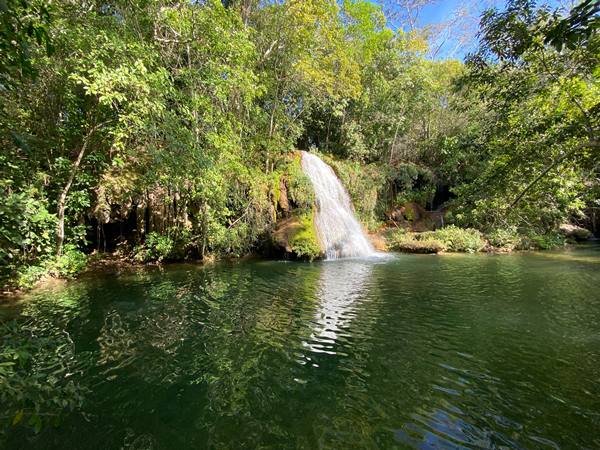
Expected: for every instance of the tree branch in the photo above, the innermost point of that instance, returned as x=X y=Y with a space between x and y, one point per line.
x=589 y=144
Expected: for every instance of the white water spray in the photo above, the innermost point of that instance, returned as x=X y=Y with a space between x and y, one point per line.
x=340 y=233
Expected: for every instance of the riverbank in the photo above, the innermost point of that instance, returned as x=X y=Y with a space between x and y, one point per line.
x=450 y=240
x=98 y=263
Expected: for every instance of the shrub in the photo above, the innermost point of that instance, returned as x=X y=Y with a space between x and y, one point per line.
x=405 y=242
x=457 y=239
x=546 y=241
x=366 y=185
x=26 y=229
x=27 y=276
x=300 y=189
x=70 y=263
x=504 y=238
x=156 y=247
x=416 y=246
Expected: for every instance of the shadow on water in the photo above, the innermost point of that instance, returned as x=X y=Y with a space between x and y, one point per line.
x=470 y=351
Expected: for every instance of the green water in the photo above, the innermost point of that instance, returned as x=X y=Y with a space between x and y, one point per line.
x=457 y=351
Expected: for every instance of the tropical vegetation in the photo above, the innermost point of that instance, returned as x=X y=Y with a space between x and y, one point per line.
x=169 y=129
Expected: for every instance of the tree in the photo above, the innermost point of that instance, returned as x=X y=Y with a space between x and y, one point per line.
x=543 y=138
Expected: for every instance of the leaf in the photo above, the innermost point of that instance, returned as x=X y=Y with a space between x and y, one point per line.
x=18 y=417
x=37 y=423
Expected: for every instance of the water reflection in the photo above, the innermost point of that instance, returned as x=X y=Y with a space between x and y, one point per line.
x=342 y=286
x=427 y=352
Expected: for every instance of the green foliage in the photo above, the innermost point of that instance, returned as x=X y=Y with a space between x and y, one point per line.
x=577 y=28
x=539 y=132
x=304 y=243
x=70 y=263
x=26 y=227
x=38 y=376
x=457 y=239
x=547 y=241
x=27 y=276
x=156 y=247
x=504 y=238
x=66 y=265
x=451 y=238
x=365 y=185
x=185 y=114
x=300 y=189
x=23 y=26
x=401 y=241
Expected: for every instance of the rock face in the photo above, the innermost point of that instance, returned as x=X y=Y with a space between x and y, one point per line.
x=295 y=237
x=575 y=232
x=378 y=242
x=414 y=217
x=283 y=201
x=411 y=212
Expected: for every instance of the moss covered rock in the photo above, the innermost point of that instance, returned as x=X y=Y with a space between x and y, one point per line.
x=415 y=246
x=296 y=237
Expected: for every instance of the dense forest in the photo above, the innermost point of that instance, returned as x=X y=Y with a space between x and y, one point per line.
x=164 y=129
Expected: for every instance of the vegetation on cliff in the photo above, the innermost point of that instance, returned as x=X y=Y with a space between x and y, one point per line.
x=163 y=130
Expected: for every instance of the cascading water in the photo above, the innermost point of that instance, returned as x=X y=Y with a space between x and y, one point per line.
x=340 y=233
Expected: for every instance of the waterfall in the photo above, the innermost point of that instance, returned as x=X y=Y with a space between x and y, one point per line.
x=339 y=232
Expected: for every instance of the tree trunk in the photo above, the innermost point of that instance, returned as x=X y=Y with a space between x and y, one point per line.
x=328 y=130
x=62 y=198
x=394 y=142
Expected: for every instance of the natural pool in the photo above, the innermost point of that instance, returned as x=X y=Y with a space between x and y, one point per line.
x=453 y=351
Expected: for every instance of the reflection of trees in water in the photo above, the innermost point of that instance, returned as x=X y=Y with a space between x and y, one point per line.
x=247 y=355
x=41 y=374
x=143 y=340
x=219 y=335
x=116 y=342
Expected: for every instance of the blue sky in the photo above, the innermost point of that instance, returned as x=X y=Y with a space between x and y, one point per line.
x=445 y=8
x=458 y=39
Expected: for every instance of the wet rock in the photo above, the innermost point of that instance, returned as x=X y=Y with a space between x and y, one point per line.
x=295 y=237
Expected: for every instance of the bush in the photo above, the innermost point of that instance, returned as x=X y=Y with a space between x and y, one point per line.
x=300 y=188
x=68 y=265
x=156 y=247
x=457 y=239
x=416 y=246
x=26 y=228
x=366 y=185
x=401 y=241
x=536 y=241
x=27 y=276
x=504 y=238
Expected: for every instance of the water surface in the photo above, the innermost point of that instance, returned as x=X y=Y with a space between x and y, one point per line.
x=455 y=351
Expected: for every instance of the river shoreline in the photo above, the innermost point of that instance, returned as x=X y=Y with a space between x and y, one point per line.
x=113 y=263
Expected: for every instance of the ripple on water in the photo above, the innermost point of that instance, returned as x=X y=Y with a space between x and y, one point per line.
x=465 y=351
